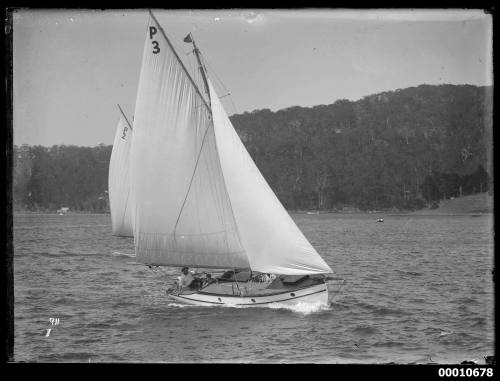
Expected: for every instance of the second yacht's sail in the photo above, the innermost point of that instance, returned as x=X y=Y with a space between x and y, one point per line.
x=119 y=181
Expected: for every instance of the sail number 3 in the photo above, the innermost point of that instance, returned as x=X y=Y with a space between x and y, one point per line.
x=156 y=47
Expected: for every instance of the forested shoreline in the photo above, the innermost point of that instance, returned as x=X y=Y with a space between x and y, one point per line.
x=398 y=150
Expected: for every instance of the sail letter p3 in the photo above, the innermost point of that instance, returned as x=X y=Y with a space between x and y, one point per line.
x=152 y=31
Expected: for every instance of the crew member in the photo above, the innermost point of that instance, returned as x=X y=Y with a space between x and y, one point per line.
x=186 y=278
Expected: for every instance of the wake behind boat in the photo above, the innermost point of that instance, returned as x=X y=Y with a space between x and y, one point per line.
x=196 y=198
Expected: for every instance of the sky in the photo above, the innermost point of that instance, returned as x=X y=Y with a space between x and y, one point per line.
x=72 y=67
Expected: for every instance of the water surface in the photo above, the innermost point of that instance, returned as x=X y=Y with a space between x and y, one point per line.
x=418 y=289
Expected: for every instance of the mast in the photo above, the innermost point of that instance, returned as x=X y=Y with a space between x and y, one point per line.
x=130 y=126
x=202 y=68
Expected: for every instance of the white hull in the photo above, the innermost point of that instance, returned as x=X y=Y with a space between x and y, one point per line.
x=314 y=294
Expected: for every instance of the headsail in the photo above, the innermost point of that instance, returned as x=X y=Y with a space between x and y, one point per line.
x=272 y=241
x=181 y=211
x=119 y=181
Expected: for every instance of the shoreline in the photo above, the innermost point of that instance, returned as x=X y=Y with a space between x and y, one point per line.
x=471 y=205
x=385 y=213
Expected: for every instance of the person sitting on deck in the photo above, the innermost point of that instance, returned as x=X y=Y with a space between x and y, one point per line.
x=228 y=274
x=265 y=278
x=189 y=280
x=186 y=278
x=208 y=279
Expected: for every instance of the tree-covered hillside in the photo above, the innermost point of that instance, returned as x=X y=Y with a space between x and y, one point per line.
x=50 y=178
x=402 y=149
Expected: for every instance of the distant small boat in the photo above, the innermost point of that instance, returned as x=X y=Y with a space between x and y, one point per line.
x=380 y=220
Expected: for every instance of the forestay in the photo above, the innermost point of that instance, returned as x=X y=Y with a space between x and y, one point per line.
x=181 y=211
x=272 y=241
x=119 y=181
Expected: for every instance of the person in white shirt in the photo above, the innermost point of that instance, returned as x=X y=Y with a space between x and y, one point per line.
x=186 y=278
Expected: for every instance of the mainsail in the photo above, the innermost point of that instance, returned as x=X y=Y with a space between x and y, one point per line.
x=182 y=214
x=198 y=198
x=119 y=181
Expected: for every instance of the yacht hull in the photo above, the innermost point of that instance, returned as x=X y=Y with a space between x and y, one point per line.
x=317 y=294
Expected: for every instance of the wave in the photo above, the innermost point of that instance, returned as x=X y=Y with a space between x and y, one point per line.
x=390 y=344
x=337 y=306
x=431 y=330
x=121 y=254
x=124 y=303
x=364 y=330
x=465 y=300
x=445 y=333
x=71 y=357
x=302 y=308
x=382 y=310
x=180 y=305
x=412 y=273
x=65 y=253
x=478 y=322
x=385 y=311
x=457 y=338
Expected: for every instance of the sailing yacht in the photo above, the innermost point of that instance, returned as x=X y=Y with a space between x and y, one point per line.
x=197 y=198
x=118 y=179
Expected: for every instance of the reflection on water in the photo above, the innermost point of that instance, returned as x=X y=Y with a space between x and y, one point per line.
x=418 y=289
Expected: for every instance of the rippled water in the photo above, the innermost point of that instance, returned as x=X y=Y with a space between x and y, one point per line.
x=418 y=289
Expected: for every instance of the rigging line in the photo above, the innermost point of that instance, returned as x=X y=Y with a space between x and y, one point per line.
x=212 y=69
x=179 y=60
x=192 y=177
x=125 y=117
x=221 y=83
x=202 y=68
x=236 y=280
x=229 y=198
x=214 y=72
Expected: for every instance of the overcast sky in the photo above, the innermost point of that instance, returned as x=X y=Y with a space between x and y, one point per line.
x=71 y=67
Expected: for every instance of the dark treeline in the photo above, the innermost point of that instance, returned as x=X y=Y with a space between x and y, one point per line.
x=404 y=149
x=61 y=176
